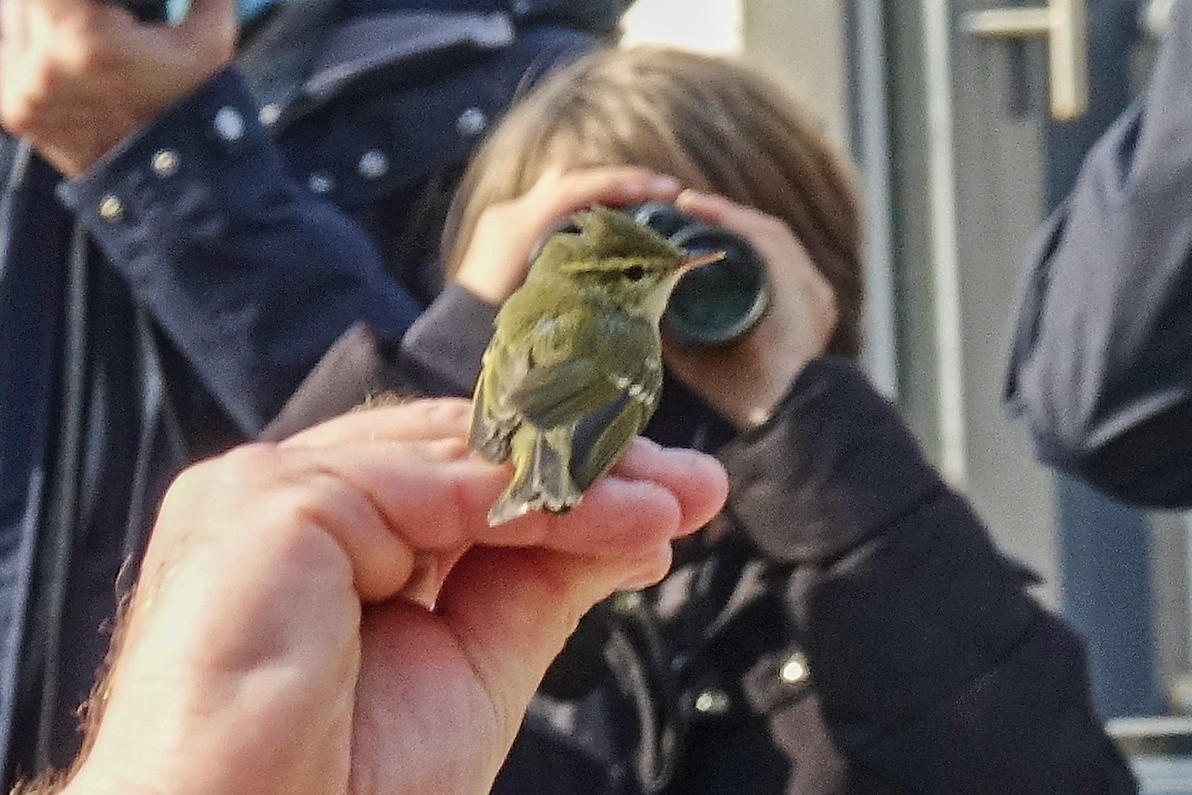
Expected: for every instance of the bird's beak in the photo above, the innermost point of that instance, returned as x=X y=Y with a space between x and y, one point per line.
x=700 y=260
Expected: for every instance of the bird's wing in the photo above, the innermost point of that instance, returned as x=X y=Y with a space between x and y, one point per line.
x=531 y=376
x=601 y=439
x=579 y=363
x=606 y=389
x=559 y=383
x=493 y=423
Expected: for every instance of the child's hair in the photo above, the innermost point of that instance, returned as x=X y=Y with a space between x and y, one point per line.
x=714 y=123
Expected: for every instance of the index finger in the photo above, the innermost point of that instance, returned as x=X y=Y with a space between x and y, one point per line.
x=746 y=221
x=436 y=497
x=414 y=420
x=558 y=194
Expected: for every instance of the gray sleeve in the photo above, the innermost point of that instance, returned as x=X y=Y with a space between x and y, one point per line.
x=1101 y=361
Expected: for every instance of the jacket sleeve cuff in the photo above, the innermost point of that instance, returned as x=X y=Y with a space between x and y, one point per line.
x=180 y=159
x=249 y=275
x=356 y=368
x=832 y=467
x=447 y=342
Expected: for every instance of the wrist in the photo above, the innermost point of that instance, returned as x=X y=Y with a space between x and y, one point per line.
x=72 y=155
x=742 y=387
x=755 y=407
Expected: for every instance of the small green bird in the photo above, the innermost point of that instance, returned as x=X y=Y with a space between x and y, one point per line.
x=574 y=368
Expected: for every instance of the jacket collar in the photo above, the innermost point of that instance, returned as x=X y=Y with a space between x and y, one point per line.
x=308 y=51
x=366 y=45
x=276 y=57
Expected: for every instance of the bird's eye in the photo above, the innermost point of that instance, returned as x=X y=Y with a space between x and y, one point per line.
x=634 y=273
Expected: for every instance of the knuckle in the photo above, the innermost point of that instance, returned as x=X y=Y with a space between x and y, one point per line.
x=247 y=464
x=22 y=102
x=187 y=482
x=286 y=490
x=192 y=488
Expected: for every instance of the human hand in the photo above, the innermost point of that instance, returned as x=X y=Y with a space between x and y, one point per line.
x=498 y=255
x=746 y=380
x=77 y=77
x=281 y=639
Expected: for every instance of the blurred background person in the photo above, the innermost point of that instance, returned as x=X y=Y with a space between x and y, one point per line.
x=1096 y=378
x=970 y=122
x=191 y=214
x=1101 y=367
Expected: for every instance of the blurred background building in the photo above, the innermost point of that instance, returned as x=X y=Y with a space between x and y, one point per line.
x=968 y=120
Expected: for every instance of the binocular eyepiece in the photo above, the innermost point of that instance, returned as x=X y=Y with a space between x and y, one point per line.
x=718 y=303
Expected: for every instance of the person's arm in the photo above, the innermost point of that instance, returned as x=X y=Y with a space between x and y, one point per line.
x=250 y=276
x=439 y=356
x=933 y=666
x=333 y=613
x=1100 y=363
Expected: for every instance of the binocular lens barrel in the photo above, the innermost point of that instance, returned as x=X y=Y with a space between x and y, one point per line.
x=718 y=303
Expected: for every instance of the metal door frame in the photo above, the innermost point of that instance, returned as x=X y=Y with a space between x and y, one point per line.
x=1102 y=555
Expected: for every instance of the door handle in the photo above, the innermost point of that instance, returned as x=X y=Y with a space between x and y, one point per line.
x=1065 y=24
x=1154 y=17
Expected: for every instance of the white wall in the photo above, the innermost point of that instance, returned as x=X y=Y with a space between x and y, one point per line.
x=802 y=40
x=705 y=25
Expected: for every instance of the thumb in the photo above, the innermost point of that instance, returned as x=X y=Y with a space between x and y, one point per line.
x=513 y=609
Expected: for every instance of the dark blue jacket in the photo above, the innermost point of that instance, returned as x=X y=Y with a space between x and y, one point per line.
x=164 y=305
x=1101 y=363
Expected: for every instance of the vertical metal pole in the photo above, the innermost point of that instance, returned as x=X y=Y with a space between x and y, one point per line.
x=1187 y=585
x=871 y=134
x=1104 y=572
x=937 y=45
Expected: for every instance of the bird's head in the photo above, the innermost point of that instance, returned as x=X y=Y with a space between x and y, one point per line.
x=607 y=253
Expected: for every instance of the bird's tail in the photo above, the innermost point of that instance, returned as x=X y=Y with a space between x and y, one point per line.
x=541 y=477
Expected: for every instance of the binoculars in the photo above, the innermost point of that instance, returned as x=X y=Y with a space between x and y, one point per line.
x=718 y=303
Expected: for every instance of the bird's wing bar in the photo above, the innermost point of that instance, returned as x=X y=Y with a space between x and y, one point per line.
x=562 y=393
x=603 y=437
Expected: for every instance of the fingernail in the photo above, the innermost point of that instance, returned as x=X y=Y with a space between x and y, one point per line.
x=665 y=184
x=703 y=462
x=689 y=454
